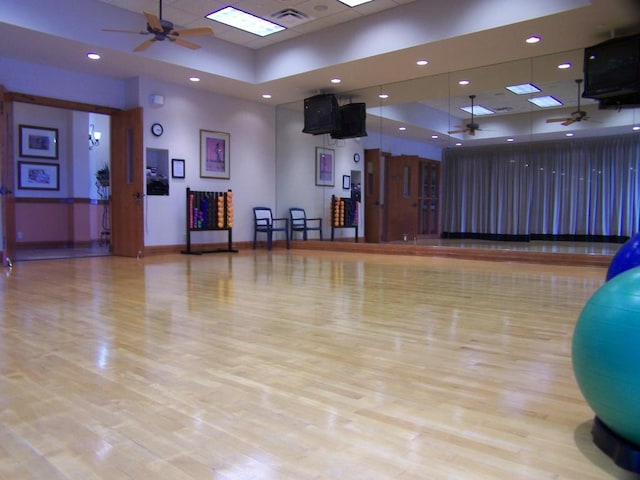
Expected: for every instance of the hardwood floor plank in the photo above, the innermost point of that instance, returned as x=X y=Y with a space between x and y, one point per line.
x=293 y=364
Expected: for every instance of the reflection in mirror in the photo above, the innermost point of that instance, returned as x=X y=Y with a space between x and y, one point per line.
x=157 y=171
x=427 y=116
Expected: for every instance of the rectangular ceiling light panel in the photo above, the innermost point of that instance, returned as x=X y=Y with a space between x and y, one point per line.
x=478 y=110
x=245 y=21
x=354 y=3
x=523 y=89
x=546 y=101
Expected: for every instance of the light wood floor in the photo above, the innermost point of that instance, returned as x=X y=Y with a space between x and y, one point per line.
x=293 y=365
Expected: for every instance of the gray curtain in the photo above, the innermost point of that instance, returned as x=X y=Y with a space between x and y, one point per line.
x=572 y=188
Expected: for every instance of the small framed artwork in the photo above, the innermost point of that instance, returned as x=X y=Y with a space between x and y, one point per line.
x=215 y=159
x=325 y=164
x=38 y=176
x=346 y=182
x=177 y=168
x=38 y=142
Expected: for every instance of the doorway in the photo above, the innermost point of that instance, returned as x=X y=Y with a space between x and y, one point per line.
x=61 y=208
x=67 y=215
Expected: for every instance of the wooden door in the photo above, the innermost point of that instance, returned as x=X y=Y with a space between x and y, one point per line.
x=430 y=199
x=7 y=180
x=373 y=196
x=126 y=204
x=402 y=197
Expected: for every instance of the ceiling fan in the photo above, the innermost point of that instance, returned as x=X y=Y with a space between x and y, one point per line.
x=162 y=29
x=576 y=116
x=470 y=127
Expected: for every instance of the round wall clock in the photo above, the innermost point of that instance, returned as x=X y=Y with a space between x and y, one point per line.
x=356 y=157
x=157 y=129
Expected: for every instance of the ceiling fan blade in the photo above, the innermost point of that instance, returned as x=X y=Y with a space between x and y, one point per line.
x=568 y=122
x=184 y=43
x=153 y=21
x=458 y=131
x=193 y=32
x=144 y=45
x=138 y=32
x=472 y=132
x=555 y=120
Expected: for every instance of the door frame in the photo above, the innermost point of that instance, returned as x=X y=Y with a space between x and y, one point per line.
x=7 y=156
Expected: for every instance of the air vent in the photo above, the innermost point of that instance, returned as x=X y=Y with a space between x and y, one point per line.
x=290 y=17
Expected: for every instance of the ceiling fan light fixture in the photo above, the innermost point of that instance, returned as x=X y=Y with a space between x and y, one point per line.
x=565 y=65
x=245 y=21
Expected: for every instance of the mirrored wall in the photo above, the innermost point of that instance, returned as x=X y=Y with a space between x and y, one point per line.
x=426 y=115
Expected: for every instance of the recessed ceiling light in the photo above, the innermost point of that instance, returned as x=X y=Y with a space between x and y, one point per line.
x=523 y=88
x=636 y=128
x=383 y=95
x=568 y=134
x=510 y=140
x=402 y=129
x=565 y=65
x=478 y=110
x=464 y=82
x=354 y=3
x=335 y=80
x=458 y=144
x=93 y=56
x=434 y=136
x=266 y=95
x=194 y=79
x=545 y=102
x=245 y=21
x=533 y=39
x=422 y=62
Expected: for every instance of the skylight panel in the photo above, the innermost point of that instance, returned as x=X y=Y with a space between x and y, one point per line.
x=245 y=21
x=478 y=110
x=354 y=3
x=523 y=88
x=546 y=101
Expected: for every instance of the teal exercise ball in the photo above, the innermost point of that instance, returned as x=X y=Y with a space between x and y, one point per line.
x=606 y=354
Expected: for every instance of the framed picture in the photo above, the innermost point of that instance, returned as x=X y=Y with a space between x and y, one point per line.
x=177 y=168
x=324 y=167
x=38 y=176
x=38 y=142
x=346 y=182
x=215 y=161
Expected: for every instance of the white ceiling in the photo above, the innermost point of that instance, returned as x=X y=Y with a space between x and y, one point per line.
x=371 y=47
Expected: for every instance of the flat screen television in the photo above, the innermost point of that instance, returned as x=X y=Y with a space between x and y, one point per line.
x=353 y=121
x=612 y=68
x=321 y=114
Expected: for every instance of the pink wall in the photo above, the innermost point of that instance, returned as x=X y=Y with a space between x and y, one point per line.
x=57 y=222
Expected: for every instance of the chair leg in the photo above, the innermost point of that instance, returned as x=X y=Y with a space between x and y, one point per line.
x=287 y=239
x=255 y=238
x=269 y=239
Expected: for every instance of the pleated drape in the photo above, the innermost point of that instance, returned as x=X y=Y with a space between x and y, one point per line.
x=574 y=188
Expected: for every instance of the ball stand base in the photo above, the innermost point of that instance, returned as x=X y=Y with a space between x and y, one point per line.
x=626 y=455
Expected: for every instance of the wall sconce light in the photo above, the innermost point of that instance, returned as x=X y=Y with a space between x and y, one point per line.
x=94 y=137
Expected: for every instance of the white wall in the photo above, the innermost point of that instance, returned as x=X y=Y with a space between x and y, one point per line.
x=251 y=126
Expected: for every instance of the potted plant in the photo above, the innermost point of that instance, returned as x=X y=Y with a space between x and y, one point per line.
x=102 y=175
